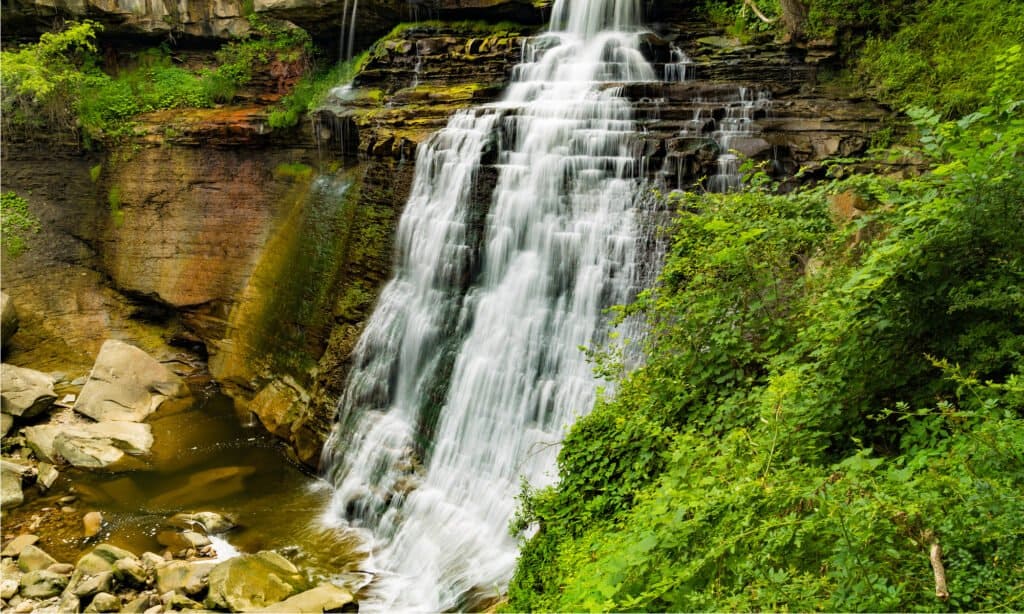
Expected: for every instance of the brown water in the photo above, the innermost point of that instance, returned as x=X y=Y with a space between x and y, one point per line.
x=204 y=459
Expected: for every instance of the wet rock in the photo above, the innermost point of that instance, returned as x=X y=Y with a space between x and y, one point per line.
x=11 y=494
x=253 y=581
x=323 y=598
x=187 y=577
x=90 y=443
x=101 y=559
x=8 y=319
x=104 y=602
x=25 y=392
x=211 y=523
x=34 y=559
x=16 y=545
x=92 y=523
x=127 y=384
x=84 y=585
x=42 y=584
x=177 y=541
x=131 y=572
x=48 y=474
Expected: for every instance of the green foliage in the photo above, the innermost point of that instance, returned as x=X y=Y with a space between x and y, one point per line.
x=311 y=91
x=828 y=393
x=941 y=58
x=16 y=223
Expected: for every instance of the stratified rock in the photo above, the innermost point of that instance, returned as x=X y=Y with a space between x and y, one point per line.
x=323 y=598
x=130 y=437
x=8 y=319
x=127 y=384
x=253 y=581
x=34 y=559
x=16 y=545
x=42 y=584
x=11 y=494
x=188 y=577
x=25 y=392
x=212 y=523
x=104 y=602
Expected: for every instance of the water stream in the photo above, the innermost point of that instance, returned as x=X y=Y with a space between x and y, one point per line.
x=470 y=368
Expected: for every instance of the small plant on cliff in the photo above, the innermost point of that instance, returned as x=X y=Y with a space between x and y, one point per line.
x=312 y=89
x=16 y=223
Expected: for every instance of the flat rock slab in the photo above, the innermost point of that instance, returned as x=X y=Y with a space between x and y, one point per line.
x=25 y=392
x=11 y=494
x=127 y=384
x=98 y=445
x=324 y=598
x=16 y=545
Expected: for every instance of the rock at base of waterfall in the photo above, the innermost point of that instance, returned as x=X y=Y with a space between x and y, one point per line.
x=48 y=474
x=211 y=523
x=33 y=558
x=25 y=392
x=92 y=523
x=104 y=602
x=6 y=422
x=11 y=494
x=253 y=581
x=187 y=577
x=8 y=319
x=127 y=384
x=130 y=572
x=323 y=598
x=42 y=584
x=178 y=541
x=16 y=545
x=89 y=445
x=84 y=585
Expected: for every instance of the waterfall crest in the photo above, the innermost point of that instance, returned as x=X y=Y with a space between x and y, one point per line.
x=470 y=368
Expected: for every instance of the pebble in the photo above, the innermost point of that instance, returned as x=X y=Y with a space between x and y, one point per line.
x=67 y=499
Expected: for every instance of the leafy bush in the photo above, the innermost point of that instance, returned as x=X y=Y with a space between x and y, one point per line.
x=941 y=58
x=831 y=393
x=16 y=223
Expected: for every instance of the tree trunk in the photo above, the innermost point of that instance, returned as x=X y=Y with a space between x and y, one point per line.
x=794 y=14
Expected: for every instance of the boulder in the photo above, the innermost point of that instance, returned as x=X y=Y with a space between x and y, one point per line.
x=8 y=319
x=16 y=545
x=104 y=602
x=188 y=577
x=323 y=598
x=25 y=392
x=42 y=584
x=126 y=437
x=92 y=523
x=211 y=523
x=177 y=541
x=127 y=384
x=34 y=559
x=6 y=422
x=48 y=474
x=10 y=489
x=101 y=559
x=253 y=581
x=131 y=572
x=84 y=585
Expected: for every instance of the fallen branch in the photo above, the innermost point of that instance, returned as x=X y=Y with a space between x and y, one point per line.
x=758 y=12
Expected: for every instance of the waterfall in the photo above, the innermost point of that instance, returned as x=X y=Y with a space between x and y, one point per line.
x=469 y=368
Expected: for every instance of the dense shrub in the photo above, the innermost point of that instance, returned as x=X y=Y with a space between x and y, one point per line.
x=831 y=391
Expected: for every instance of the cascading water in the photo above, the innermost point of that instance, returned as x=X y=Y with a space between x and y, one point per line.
x=470 y=367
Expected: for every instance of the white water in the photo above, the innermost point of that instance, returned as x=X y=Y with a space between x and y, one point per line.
x=470 y=368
